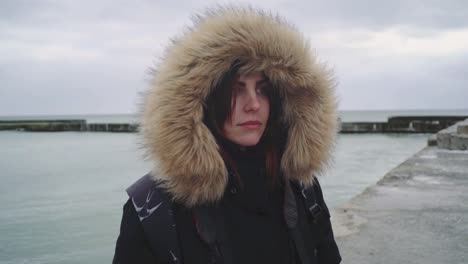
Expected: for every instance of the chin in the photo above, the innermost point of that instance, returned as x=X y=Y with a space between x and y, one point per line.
x=249 y=141
x=248 y=144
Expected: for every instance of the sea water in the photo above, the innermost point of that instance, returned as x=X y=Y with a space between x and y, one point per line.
x=62 y=193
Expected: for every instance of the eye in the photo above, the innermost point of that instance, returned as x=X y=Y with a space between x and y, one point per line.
x=263 y=90
x=240 y=89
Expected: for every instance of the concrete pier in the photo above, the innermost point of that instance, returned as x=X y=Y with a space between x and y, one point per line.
x=418 y=213
x=454 y=137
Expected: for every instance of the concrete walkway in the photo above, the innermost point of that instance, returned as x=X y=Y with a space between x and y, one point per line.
x=418 y=213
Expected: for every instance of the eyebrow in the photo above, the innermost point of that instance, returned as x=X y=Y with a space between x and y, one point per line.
x=262 y=81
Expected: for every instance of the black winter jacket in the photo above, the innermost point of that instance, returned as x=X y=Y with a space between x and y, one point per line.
x=254 y=218
x=132 y=245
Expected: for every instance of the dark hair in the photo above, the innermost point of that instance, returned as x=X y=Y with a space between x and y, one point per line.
x=218 y=109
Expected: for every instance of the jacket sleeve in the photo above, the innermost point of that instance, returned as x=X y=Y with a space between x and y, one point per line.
x=327 y=249
x=132 y=246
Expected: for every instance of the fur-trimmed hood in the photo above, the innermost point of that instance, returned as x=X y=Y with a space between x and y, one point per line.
x=184 y=151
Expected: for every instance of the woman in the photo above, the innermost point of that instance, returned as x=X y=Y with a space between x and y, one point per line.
x=238 y=121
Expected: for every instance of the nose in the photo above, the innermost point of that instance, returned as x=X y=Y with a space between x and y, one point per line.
x=253 y=103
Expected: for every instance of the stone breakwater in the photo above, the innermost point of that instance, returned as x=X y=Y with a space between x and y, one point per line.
x=398 y=124
x=402 y=124
x=43 y=125
x=417 y=213
x=65 y=125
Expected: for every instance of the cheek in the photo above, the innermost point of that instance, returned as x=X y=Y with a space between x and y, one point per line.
x=228 y=127
x=266 y=109
x=236 y=113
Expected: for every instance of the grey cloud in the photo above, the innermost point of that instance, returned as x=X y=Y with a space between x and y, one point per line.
x=375 y=15
x=405 y=83
x=72 y=57
x=37 y=88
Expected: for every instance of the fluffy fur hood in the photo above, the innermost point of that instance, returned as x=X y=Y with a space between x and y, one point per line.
x=184 y=151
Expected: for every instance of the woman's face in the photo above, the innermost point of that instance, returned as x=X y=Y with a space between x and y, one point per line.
x=250 y=110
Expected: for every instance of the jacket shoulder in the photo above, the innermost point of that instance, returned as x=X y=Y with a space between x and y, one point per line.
x=154 y=208
x=148 y=196
x=142 y=185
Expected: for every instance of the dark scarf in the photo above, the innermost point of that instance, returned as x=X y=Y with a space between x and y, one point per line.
x=254 y=209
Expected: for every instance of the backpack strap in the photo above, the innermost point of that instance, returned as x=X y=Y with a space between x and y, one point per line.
x=292 y=217
x=316 y=207
x=305 y=212
x=153 y=206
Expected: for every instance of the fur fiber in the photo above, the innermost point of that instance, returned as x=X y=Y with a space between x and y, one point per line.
x=184 y=152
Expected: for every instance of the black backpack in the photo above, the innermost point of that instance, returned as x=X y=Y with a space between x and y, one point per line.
x=154 y=207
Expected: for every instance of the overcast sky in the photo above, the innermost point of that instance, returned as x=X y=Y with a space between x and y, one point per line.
x=91 y=57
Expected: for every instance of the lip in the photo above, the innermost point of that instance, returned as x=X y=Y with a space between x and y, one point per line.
x=251 y=124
